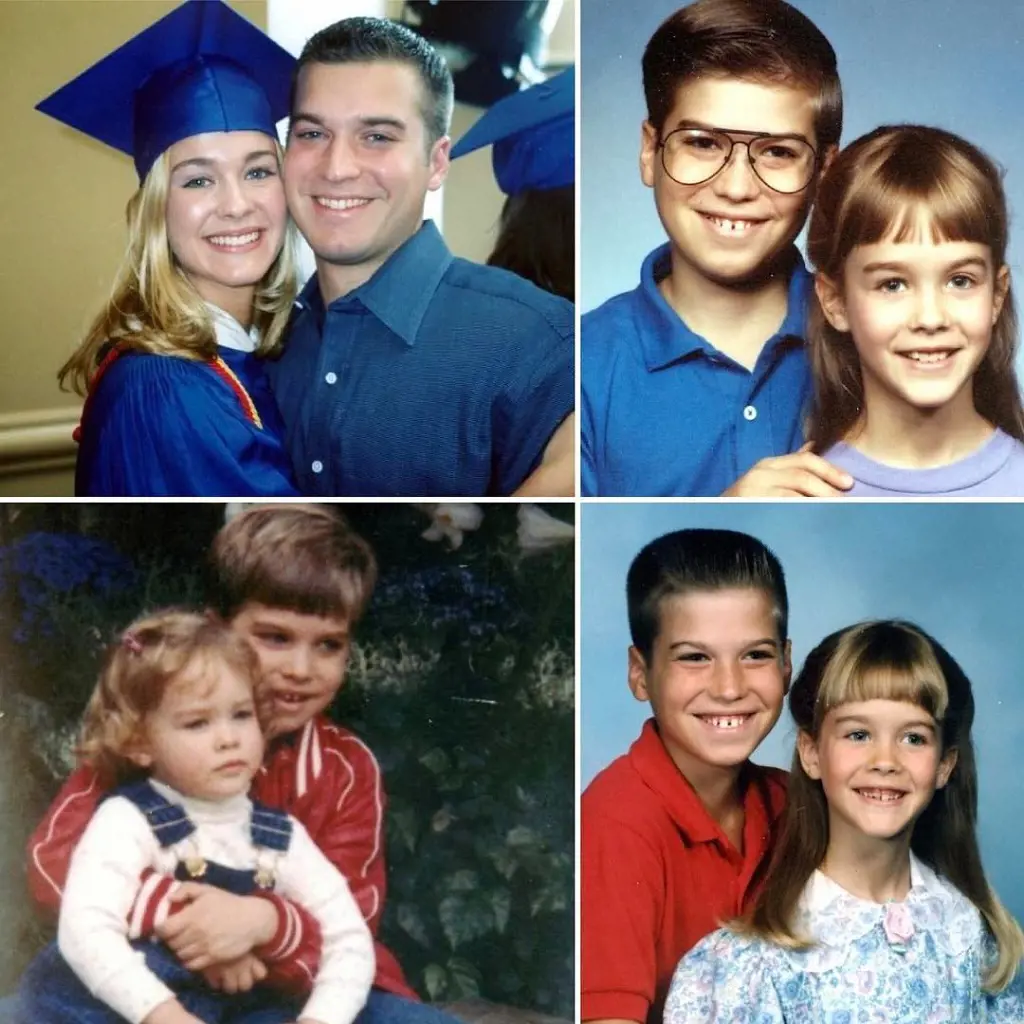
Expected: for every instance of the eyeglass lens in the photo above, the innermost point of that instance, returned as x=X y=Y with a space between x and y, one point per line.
x=692 y=156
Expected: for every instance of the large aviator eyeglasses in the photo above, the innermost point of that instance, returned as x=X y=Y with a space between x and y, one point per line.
x=785 y=163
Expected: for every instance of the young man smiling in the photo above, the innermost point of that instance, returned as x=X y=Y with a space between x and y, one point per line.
x=407 y=371
x=675 y=833
x=695 y=383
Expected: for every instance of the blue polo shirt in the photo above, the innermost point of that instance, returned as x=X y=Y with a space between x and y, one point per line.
x=437 y=377
x=665 y=413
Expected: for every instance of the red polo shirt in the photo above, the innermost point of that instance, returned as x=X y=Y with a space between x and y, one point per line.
x=658 y=874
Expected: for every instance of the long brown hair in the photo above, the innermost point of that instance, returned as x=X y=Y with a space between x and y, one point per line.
x=888 y=660
x=154 y=307
x=536 y=239
x=875 y=190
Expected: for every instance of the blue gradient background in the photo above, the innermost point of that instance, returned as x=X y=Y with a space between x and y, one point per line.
x=951 y=63
x=956 y=569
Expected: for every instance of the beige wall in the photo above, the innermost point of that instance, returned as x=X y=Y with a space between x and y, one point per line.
x=62 y=200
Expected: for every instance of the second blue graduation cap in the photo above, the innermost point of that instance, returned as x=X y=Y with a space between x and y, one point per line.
x=533 y=133
x=202 y=68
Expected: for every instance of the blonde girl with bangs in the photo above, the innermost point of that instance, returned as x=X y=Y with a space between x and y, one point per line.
x=174 y=724
x=177 y=400
x=875 y=906
x=912 y=346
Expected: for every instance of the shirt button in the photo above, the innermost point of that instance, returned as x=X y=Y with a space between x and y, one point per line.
x=750 y=413
x=331 y=378
x=317 y=467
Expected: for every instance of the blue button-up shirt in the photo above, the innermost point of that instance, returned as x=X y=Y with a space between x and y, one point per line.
x=437 y=377
x=665 y=413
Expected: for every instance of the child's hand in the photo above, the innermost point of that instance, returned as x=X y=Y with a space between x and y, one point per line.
x=216 y=926
x=237 y=975
x=799 y=475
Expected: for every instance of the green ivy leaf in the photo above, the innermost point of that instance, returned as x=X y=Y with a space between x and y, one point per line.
x=442 y=819
x=462 y=881
x=505 y=862
x=501 y=904
x=436 y=761
x=410 y=921
x=436 y=980
x=465 y=978
x=464 y=917
x=523 y=838
x=404 y=821
x=551 y=898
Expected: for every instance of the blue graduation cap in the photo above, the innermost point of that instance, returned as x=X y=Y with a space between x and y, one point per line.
x=533 y=134
x=202 y=68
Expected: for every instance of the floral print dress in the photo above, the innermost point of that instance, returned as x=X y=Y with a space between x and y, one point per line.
x=915 y=962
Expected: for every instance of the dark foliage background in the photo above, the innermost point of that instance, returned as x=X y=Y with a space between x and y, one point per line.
x=461 y=682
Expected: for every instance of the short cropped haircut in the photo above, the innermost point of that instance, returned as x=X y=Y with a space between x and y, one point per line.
x=764 y=41
x=299 y=558
x=153 y=654
x=699 y=560
x=369 y=40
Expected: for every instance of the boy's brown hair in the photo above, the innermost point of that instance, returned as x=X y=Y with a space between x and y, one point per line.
x=153 y=654
x=300 y=558
x=765 y=41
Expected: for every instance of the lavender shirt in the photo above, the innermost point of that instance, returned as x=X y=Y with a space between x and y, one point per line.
x=995 y=470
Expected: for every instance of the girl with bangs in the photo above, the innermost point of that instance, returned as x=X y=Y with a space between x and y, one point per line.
x=912 y=348
x=177 y=398
x=875 y=906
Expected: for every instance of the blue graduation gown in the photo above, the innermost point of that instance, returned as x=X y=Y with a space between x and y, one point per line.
x=166 y=426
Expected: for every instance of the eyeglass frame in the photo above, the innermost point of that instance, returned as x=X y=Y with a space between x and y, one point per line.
x=746 y=139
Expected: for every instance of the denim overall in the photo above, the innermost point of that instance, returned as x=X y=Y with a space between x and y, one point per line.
x=51 y=993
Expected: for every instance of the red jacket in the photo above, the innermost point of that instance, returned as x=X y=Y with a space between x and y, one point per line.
x=324 y=776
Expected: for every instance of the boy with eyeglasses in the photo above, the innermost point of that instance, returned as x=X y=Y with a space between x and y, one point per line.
x=694 y=383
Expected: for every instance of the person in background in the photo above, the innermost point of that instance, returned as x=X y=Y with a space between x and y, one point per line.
x=533 y=135
x=177 y=401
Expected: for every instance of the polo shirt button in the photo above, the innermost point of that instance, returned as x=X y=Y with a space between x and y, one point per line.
x=750 y=413
x=317 y=467
x=331 y=378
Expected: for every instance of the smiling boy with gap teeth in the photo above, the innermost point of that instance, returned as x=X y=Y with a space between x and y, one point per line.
x=695 y=383
x=676 y=833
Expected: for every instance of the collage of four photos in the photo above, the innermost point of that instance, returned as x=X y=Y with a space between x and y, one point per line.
x=408 y=609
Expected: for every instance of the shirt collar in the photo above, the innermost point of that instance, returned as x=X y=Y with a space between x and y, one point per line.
x=822 y=892
x=230 y=333
x=401 y=290
x=665 y=338
x=659 y=772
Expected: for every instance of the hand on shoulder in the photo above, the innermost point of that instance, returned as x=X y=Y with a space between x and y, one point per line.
x=801 y=474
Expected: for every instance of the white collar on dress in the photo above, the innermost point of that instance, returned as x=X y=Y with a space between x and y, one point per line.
x=836 y=918
x=230 y=333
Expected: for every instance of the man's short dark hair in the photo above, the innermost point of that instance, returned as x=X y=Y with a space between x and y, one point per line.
x=766 y=41
x=699 y=560
x=368 y=40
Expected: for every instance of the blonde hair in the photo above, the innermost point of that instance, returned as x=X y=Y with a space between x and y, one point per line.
x=887 y=660
x=154 y=307
x=302 y=558
x=150 y=657
x=880 y=187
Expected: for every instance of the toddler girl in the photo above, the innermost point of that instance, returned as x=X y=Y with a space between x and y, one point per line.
x=174 y=718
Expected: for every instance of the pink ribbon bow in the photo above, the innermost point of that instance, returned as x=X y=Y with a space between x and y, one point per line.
x=899 y=928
